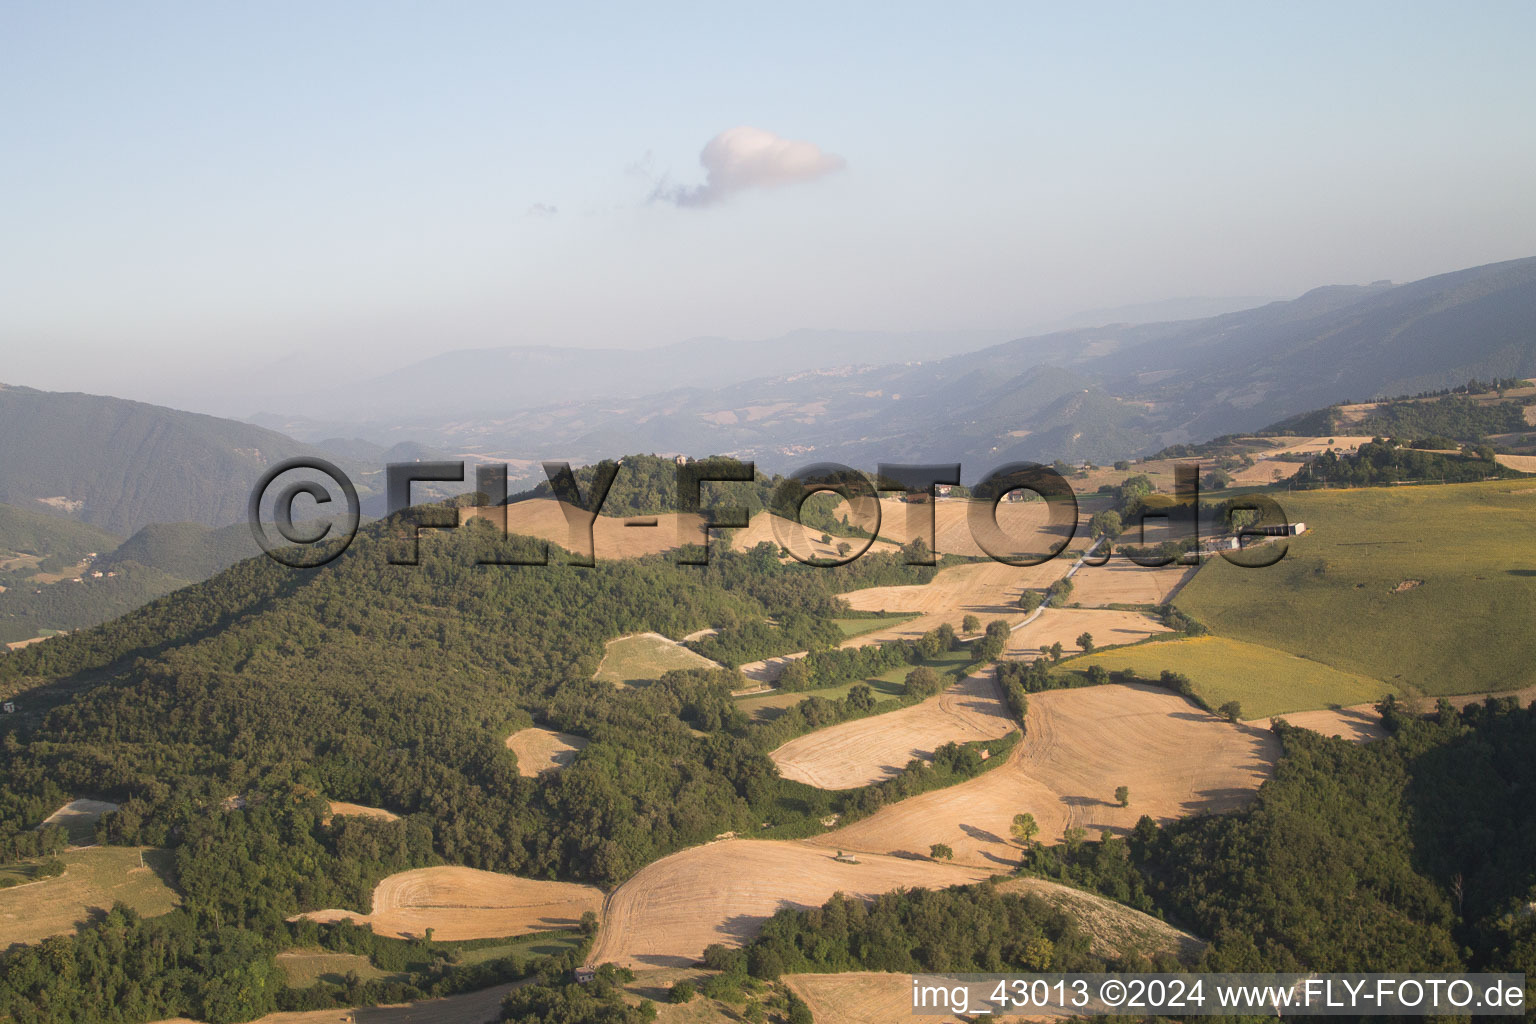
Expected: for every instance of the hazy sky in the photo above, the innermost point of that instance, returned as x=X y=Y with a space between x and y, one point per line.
x=211 y=186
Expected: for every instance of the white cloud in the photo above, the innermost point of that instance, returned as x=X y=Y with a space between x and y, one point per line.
x=542 y=210
x=746 y=157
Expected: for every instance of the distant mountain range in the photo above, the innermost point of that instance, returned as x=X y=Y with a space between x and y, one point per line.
x=1098 y=393
x=1087 y=393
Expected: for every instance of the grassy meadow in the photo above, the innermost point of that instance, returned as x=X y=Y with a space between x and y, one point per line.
x=1263 y=680
x=92 y=881
x=644 y=658
x=1430 y=589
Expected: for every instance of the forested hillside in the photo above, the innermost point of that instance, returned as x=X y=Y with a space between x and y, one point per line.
x=119 y=465
x=395 y=686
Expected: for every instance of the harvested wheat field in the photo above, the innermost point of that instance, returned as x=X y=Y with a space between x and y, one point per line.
x=869 y=750
x=541 y=750
x=1080 y=745
x=1065 y=625
x=611 y=537
x=79 y=818
x=990 y=590
x=1023 y=525
x=671 y=909
x=1518 y=463
x=462 y=903
x=1359 y=724
x=802 y=542
x=645 y=657
x=340 y=808
x=93 y=880
x=1122 y=581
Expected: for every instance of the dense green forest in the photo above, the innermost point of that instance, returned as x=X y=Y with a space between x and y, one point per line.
x=27 y=609
x=1383 y=461
x=392 y=686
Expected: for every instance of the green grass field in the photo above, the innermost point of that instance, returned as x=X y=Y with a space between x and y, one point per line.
x=644 y=658
x=1263 y=680
x=303 y=968
x=524 y=947
x=93 y=880
x=858 y=627
x=1344 y=595
x=767 y=706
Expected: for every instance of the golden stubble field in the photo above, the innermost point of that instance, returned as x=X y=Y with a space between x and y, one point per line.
x=869 y=750
x=668 y=912
x=541 y=750
x=1080 y=745
x=463 y=903
x=1065 y=625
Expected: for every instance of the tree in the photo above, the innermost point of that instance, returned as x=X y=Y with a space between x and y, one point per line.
x=844 y=547
x=682 y=992
x=941 y=851
x=1232 y=711
x=1024 y=829
x=1055 y=651
x=1085 y=641
x=923 y=682
x=1123 y=795
x=1106 y=524
x=1030 y=600
x=970 y=624
x=1098 y=675
x=1217 y=479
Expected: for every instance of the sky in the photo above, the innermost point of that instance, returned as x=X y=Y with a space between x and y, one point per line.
x=212 y=192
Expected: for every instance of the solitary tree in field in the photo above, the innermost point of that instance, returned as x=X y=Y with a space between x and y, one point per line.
x=1232 y=711
x=941 y=851
x=1105 y=524
x=970 y=624
x=1123 y=795
x=844 y=547
x=1085 y=641
x=1024 y=829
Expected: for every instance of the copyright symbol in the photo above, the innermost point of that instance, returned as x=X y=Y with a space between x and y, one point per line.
x=316 y=543
x=1112 y=992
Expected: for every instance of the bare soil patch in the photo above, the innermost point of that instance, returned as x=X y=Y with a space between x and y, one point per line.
x=870 y=749
x=541 y=750
x=463 y=903
x=1079 y=746
x=1407 y=585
